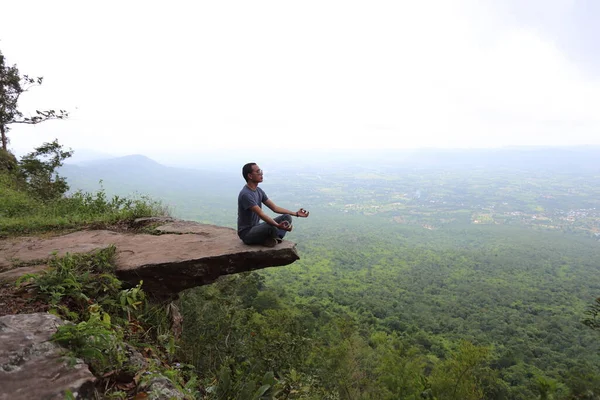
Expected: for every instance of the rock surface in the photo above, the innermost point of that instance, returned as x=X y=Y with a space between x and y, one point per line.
x=32 y=367
x=185 y=254
x=160 y=388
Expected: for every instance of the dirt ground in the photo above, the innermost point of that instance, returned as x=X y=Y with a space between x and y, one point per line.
x=14 y=300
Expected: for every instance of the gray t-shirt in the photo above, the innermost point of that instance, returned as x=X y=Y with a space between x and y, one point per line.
x=247 y=199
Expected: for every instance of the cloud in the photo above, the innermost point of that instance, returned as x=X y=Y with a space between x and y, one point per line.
x=147 y=77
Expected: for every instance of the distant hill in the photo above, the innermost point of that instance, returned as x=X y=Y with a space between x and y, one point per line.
x=140 y=174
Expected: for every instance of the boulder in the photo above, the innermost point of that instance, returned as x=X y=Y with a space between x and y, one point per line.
x=160 y=388
x=33 y=367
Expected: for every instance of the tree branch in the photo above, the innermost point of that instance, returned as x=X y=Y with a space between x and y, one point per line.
x=41 y=117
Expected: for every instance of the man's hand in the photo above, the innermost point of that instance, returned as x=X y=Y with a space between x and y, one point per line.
x=286 y=226
x=302 y=213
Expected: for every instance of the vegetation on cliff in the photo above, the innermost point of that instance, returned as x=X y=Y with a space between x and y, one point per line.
x=32 y=194
x=125 y=340
x=33 y=200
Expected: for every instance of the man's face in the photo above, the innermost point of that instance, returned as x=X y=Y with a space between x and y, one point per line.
x=257 y=175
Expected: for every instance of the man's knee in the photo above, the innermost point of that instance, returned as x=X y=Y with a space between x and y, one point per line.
x=287 y=217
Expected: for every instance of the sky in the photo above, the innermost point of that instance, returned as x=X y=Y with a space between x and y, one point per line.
x=178 y=79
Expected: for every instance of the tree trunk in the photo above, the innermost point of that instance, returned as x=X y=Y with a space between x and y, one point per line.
x=4 y=138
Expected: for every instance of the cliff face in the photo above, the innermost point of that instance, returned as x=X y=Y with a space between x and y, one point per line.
x=179 y=255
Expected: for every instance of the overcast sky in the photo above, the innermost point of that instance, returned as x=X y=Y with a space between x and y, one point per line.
x=169 y=77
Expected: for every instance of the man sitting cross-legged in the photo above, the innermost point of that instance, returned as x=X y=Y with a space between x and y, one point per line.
x=250 y=200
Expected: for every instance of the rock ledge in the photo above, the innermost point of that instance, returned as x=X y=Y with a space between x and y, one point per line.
x=184 y=254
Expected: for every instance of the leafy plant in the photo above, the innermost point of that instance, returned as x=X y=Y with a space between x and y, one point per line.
x=132 y=299
x=78 y=279
x=95 y=340
x=226 y=388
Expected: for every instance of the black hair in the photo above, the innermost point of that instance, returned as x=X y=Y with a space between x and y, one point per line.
x=247 y=169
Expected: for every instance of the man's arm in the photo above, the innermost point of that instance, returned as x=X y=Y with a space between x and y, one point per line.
x=268 y=219
x=279 y=210
x=276 y=209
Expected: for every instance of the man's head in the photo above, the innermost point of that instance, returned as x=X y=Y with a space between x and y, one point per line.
x=252 y=172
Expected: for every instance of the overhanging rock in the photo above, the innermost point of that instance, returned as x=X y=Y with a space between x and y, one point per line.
x=190 y=254
x=185 y=254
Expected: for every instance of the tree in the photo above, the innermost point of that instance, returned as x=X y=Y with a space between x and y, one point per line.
x=460 y=376
x=593 y=315
x=12 y=85
x=38 y=171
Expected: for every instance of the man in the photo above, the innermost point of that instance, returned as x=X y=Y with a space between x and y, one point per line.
x=250 y=201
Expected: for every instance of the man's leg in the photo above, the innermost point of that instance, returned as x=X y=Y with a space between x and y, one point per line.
x=258 y=234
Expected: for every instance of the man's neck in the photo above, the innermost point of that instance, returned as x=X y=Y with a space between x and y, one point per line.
x=252 y=185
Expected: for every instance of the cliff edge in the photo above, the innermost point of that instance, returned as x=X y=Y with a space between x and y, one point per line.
x=177 y=255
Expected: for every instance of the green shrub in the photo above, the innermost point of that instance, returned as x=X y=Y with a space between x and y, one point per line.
x=95 y=341
x=79 y=280
x=14 y=202
x=8 y=162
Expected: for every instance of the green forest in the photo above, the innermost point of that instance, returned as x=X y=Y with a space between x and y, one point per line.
x=433 y=282
x=408 y=314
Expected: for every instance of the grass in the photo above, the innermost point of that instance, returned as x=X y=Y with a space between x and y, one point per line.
x=21 y=213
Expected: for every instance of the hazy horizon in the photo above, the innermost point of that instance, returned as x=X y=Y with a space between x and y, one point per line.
x=571 y=158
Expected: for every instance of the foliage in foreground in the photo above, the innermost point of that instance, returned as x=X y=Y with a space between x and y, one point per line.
x=107 y=323
x=247 y=344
